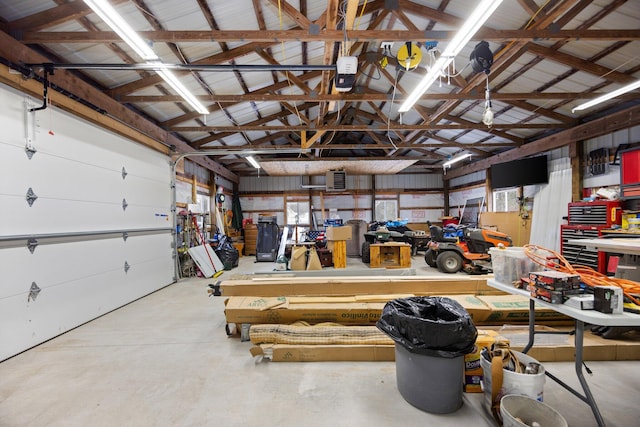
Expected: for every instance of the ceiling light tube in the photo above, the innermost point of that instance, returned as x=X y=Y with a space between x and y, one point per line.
x=253 y=162
x=108 y=14
x=608 y=96
x=456 y=159
x=173 y=81
x=471 y=26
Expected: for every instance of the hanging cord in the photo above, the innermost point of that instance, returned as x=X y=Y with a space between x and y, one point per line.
x=364 y=5
x=546 y=258
x=393 y=97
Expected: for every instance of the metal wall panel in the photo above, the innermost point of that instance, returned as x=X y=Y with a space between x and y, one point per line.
x=80 y=174
x=412 y=181
x=468 y=179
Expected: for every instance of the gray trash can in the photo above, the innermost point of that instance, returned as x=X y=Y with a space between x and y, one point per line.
x=432 y=335
x=432 y=384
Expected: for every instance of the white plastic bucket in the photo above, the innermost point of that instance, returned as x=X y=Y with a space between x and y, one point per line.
x=530 y=385
x=521 y=411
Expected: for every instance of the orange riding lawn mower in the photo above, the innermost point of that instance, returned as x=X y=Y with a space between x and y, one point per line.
x=465 y=249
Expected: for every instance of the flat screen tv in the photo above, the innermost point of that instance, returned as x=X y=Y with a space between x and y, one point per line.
x=529 y=171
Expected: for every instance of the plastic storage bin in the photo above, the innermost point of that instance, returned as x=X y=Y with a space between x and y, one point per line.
x=511 y=264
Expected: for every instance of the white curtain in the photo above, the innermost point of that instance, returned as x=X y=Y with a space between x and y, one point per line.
x=550 y=204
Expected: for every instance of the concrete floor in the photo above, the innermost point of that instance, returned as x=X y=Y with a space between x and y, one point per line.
x=165 y=360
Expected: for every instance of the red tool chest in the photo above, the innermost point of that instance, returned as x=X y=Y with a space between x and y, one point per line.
x=586 y=220
x=605 y=213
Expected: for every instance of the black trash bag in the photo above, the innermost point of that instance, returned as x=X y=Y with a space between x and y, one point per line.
x=227 y=253
x=433 y=326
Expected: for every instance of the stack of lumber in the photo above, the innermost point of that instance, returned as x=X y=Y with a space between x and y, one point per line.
x=339 y=315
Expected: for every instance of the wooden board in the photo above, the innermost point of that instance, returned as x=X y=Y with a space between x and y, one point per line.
x=517 y=228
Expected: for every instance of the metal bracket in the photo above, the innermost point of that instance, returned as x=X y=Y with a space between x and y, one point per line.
x=47 y=69
x=126 y=267
x=124 y=173
x=31 y=197
x=33 y=292
x=30 y=150
x=215 y=289
x=125 y=235
x=124 y=204
x=31 y=244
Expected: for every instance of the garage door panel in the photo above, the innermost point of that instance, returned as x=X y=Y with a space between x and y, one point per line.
x=25 y=323
x=60 y=216
x=52 y=264
x=82 y=181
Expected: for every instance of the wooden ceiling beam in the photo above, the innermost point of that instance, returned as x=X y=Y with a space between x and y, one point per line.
x=362 y=128
x=328 y=35
x=293 y=13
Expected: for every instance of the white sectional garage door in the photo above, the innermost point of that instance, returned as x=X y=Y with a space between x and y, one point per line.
x=85 y=222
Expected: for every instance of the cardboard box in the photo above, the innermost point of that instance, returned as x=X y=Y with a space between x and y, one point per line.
x=581 y=302
x=477 y=309
x=554 y=280
x=515 y=308
x=356 y=285
x=473 y=373
x=343 y=232
x=607 y=299
x=626 y=216
x=281 y=310
x=325 y=353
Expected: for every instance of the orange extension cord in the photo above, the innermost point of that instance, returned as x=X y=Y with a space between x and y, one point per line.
x=553 y=260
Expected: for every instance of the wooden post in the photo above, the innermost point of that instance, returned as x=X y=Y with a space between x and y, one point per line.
x=339 y=253
x=576 y=152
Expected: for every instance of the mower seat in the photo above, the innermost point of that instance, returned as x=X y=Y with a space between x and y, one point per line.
x=437 y=235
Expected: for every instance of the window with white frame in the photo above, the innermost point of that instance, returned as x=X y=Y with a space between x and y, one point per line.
x=298 y=218
x=386 y=210
x=298 y=213
x=505 y=200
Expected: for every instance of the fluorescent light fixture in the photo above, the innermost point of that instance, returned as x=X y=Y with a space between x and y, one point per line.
x=108 y=14
x=173 y=81
x=456 y=159
x=471 y=26
x=603 y=98
x=253 y=162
